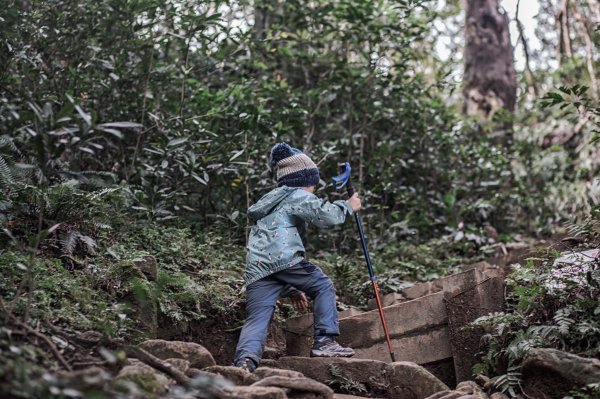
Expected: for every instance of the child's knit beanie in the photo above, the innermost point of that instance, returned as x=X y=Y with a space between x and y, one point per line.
x=294 y=168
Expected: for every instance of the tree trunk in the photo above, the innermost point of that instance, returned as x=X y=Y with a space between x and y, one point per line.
x=489 y=79
x=565 y=49
x=531 y=86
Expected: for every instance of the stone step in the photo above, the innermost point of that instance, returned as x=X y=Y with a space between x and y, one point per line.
x=411 y=317
x=453 y=283
x=427 y=347
x=400 y=380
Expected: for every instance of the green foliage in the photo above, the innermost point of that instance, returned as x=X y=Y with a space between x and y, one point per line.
x=345 y=384
x=66 y=297
x=550 y=305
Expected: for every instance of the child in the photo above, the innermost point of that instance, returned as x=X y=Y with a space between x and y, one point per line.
x=275 y=259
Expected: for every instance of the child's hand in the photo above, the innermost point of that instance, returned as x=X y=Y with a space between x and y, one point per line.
x=299 y=302
x=354 y=202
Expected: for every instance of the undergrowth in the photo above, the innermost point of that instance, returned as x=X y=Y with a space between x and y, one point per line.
x=551 y=303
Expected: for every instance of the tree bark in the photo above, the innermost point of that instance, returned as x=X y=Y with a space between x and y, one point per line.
x=565 y=49
x=587 y=29
x=490 y=81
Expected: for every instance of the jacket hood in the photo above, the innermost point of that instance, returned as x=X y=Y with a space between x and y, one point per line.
x=270 y=201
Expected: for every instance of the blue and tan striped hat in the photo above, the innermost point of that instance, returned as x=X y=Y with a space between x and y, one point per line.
x=294 y=168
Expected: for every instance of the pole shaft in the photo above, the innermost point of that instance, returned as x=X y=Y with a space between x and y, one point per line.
x=373 y=278
x=363 y=243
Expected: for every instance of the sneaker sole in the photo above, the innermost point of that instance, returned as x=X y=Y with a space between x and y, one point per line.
x=318 y=353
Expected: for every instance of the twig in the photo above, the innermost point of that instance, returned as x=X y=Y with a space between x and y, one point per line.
x=12 y=318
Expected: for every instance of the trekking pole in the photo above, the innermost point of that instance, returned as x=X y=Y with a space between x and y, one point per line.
x=344 y=180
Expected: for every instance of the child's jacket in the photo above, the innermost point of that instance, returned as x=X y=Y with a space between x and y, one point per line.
x=280 y=219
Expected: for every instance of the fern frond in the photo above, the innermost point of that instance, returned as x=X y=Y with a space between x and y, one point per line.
x=563 y=321
x=69 y=241
x=7 y=175
x=6 y=141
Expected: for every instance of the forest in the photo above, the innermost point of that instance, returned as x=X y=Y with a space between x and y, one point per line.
x=135 y=135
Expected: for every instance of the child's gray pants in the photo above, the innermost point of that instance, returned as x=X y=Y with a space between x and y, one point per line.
x=262 y=297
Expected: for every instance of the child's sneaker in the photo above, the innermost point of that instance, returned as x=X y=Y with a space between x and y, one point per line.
x=246 y=364
x=327 y=347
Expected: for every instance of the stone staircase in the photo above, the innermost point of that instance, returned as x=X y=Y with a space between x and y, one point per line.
x=425 y=323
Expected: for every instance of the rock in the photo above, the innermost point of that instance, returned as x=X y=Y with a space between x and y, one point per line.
x=232 y=373
x=408 y=376
x=192 y=372
x=92 y=377
x=270 y=353
x=198 y=356
x=342 y=396
x=264 y=372
x=467 y=387
x=553 y=373
x=145 y=377
x=499 y=395
x=440 y=395
x=400 y=380
x=269 y=363
x=180 y=364
x=298 y=386
x=253 y=392
x=147 y=265
x=482 y=380
x=446 y=395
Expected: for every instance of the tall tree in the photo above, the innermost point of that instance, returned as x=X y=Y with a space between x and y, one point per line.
x=489 y=77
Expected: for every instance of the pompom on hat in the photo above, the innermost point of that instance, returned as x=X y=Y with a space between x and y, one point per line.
x=294 y=168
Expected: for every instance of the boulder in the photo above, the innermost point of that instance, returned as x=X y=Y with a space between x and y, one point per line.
x=180 y=364
x=264 y=372
x=400 y=380
x=234 y=374
x=298 y=386
x=407 y=377
x=464 y=390
x=145 y=377
x=253 y=392
x=193 y=373
x=553 y=373
x=92 y=377
x=198 y=356
x=270 y=353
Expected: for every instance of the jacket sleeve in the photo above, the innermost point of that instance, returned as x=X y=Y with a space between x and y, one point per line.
x=321 y=213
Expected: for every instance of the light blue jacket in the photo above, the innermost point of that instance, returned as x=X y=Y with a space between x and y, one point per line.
x=279 y=224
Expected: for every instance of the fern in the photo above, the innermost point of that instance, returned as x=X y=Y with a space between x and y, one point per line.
x=509 y=383
x=343 y=383
x=69 y=241
x=563 y=321
x=7 y=175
